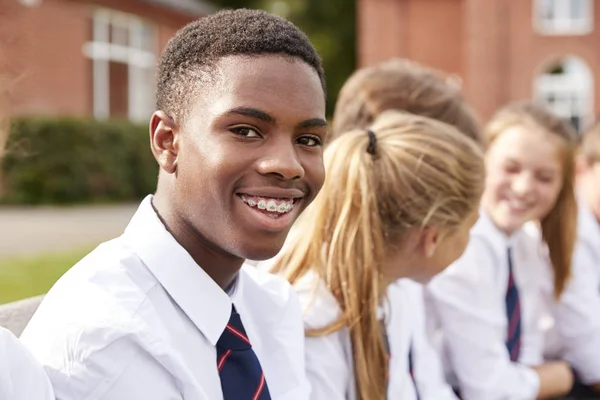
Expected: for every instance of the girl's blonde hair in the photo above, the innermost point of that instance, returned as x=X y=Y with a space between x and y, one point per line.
x=422 y=173
x=559 y=226
x=400 y=84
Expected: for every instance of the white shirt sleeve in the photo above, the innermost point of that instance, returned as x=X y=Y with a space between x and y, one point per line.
x=577 y=316
x=472 y=318
x=429 y=375
x=105 y=363
x=329 y=365
x=328 y=368
x=21 y=376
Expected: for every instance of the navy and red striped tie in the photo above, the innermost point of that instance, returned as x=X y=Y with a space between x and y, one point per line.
x=513 y=314
x=241 y=375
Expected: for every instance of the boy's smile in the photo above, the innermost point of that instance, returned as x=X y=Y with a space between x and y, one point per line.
x=248 y=157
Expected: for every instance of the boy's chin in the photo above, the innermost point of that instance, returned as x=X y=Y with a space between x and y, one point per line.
x=261 y=251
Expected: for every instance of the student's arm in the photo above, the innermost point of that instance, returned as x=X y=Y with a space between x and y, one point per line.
x=556 y=379
x=470 y=309
x=577 y=316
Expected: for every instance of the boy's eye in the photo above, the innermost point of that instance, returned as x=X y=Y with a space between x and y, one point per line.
x=246 y=132
x=310 y=141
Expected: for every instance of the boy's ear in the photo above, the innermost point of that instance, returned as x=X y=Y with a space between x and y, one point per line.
x=164 y=140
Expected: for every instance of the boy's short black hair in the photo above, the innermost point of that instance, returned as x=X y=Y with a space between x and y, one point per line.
x=192 y=53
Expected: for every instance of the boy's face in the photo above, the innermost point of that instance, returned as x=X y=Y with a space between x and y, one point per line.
x=250 y=156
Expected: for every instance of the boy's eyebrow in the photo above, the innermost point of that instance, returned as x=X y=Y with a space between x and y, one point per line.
x=254 y=113
x=268 y=118
x=313 y=122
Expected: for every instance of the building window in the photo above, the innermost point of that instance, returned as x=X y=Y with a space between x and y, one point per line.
x=567 y=87
x=563 y=17
x=123 y=53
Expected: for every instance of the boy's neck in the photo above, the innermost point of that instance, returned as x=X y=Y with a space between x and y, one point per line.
x=222 y=267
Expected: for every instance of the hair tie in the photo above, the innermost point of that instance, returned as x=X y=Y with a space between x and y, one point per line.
x=372 y=142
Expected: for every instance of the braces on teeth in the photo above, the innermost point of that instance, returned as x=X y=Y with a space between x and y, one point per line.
x=270 y=205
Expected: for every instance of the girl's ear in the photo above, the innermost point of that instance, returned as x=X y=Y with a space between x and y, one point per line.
x=430 y=239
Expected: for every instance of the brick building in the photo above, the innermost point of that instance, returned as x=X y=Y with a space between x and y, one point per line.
x=502 y=50
x=87 y=57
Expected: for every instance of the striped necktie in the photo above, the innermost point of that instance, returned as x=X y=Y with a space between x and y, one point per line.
x=241 y=375
x=513 y=314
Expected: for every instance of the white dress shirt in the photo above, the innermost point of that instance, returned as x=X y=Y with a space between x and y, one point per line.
x=139 y=319
x=21 y=376
x=329 y=361
x=574 y=333
x=468 y=301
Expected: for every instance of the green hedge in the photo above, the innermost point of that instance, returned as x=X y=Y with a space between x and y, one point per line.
x=63 y=161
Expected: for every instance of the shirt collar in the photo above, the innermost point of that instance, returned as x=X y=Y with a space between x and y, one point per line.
x=200 y=298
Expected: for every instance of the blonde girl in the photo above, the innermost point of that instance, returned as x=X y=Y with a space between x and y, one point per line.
x=488 y=303
x=398 y=201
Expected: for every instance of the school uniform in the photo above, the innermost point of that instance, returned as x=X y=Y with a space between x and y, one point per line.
x=21 y=376
x=574 y=333
x=139 y=319
x=329 y=361
x=472 y=302
x=588 y=243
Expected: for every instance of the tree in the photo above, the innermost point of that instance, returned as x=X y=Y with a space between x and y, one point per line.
x=330 y=25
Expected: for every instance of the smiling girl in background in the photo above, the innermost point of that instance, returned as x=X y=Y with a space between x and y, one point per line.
x=488 y=302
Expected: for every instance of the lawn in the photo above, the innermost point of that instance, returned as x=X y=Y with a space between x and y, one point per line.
x=22 y=277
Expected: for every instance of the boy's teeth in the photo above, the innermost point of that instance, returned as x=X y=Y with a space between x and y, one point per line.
x=271 y=206
x=275 y=206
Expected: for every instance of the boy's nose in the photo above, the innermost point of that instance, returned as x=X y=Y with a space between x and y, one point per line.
x=282 y=161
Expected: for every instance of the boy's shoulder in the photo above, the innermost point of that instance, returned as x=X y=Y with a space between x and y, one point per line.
x=95 y=320
x=100 y=296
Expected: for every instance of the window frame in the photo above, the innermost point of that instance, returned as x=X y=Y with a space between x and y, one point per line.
x=563 y=26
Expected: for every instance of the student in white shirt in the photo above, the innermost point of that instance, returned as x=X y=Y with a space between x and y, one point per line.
x=398 y=202
x=577 y=319
x=488 y=303
x=167 y=311
x=21 y=375
x=588 y=191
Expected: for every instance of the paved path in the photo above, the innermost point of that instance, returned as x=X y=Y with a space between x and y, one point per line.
x=30 y=230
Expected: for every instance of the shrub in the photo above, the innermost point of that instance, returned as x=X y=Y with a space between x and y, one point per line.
x=66 y=160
